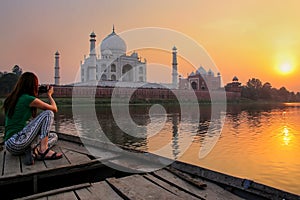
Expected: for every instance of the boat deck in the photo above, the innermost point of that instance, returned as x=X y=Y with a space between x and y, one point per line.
x=161 y=184
x=81 y=175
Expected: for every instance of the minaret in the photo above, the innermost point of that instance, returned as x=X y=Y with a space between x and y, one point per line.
x=92 y=66
x=174 y=68
x=93 y=43
x=56 y=69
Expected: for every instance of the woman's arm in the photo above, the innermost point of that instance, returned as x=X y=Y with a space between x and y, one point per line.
x=45 y=106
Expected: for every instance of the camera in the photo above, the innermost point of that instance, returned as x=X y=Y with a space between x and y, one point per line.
x=43 y=89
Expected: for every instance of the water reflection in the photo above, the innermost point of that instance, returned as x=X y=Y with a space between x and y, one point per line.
x=286 y=136
x=259 y=142
x=175 y=138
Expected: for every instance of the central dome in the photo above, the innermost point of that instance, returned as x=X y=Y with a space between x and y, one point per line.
x=114 y=43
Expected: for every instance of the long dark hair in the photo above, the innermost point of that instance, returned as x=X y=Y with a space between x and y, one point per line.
x=27 y=84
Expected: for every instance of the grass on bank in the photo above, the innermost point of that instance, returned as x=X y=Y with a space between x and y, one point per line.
x=66 y=101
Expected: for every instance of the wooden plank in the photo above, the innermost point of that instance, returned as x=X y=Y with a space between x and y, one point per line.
x=75 y=157
x=84 y=193
x=180 y=193
x=2 y=158
x=137 y=187
x=72 y=146
x=101 y=190
x=101 y=153
x=11 y=164
x=42 y=198
x=88 y=150
x=37 y=166
x=212 y=191
x=132 y=164
x=50 y=172
x=57 y=191
x=65 y=196
x=194 y=181
x=234 y=182
x=55 y=163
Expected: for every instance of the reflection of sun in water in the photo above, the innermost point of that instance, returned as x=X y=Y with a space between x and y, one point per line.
x=286 y=135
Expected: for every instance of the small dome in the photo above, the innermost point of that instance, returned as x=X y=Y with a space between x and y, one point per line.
x=192 y=74
x=219 y=74
x=114 y=43
x=235 y=78
x=201 y=71
x=57 y=54
x=210 y=72
x=174 y=48
x=134 y=54
x=106 y=52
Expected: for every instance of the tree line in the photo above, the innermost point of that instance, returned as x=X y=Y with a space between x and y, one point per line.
x=256 y=90
x=9 y=79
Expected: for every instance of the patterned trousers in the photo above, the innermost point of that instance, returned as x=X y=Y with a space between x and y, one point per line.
x=32 y=133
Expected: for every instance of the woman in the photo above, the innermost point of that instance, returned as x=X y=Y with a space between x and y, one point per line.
x=22 y=104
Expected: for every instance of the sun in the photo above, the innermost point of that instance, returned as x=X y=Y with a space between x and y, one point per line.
x=285 y=68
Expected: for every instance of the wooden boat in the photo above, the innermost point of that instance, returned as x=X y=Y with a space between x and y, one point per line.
x=82 y=175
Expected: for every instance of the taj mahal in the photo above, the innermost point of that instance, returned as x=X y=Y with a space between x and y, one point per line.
x=113 y=64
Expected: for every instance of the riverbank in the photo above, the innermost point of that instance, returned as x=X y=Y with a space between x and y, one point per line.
x=107 y=101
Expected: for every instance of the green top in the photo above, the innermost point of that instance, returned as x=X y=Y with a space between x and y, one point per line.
x=20 y=117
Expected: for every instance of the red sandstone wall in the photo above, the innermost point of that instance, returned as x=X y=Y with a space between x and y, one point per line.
x=141 y=93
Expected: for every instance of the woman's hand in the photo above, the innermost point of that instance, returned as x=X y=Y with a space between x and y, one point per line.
x=45 y=106
x=50 y=91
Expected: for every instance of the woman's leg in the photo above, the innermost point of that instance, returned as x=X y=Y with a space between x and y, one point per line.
x=52 y=139
x=38 y=127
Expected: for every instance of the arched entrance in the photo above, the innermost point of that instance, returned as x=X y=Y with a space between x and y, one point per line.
x=194 y=85
x=127 y=73
x=103 y=77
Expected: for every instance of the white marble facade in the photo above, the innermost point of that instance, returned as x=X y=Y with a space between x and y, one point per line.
x=112 y=64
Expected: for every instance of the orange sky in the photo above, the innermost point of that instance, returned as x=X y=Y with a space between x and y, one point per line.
x=244 y=38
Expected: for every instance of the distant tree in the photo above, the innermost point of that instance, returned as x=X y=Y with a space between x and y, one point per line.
x=284 y=94
x=254 y=83
x=7 y=83
x=266 y=91
x=255 y=90
x=1 y=74
x=17 y=70
x=252 y=89
x=298 y=96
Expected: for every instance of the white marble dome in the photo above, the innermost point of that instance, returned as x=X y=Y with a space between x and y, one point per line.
x=114 y=43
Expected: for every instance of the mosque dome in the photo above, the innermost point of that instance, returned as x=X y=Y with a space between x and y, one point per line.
x=235 y=79
x=114 y=43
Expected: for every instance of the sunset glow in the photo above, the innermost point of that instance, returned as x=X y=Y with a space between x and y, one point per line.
x=285 y=68
x=243 y=38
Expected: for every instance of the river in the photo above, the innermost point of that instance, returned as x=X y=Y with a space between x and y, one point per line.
x=257 y=142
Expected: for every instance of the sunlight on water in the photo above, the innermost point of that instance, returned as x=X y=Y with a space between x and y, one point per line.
x=261 y=143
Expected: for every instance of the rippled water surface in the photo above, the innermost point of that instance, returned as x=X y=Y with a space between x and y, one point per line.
x=257 y=142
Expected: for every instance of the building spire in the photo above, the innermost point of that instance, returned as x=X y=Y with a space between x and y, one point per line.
x=174 y=68
x=113 y=28
x=56 y=69
x=92 y=43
